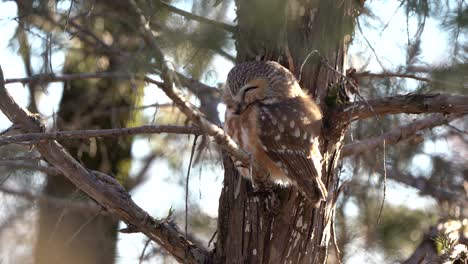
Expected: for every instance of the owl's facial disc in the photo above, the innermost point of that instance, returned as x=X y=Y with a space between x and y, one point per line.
x=242 y=104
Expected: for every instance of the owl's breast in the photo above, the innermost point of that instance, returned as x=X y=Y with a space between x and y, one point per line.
x=244 y=130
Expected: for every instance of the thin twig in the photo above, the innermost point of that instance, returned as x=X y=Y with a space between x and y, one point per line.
x=384 y=183
x=391 y=75
x=78 y=206
x=142 y=256
x=192 y=153
x=212 y=237
x=305 y=61
x=370 y=46
x=78 y=231
x=68 y=14
x=14 y=164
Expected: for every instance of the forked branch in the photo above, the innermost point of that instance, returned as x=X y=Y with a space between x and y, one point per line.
x=104 y=189
x=397 y=134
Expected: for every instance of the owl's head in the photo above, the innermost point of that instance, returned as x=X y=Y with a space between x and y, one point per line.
x=266 y=82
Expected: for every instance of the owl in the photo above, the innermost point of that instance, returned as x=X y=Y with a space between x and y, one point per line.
x=272 y=118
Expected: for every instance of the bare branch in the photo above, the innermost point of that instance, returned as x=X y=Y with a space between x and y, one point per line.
x=47 y=78
x=188 y=109
x=453 y=194
x=196 y=87
x=188 y=15
x=396 y=135
x=104 y=189
x=73 y=205
x=390 y=75
x=409 y=104
x=115 y=132
x=14 y=164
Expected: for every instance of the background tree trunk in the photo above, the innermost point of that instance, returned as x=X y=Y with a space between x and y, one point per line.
x=280 y=227
x=71 y=236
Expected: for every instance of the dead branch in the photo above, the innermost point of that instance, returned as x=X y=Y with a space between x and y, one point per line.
x=71 y=205
x=390 y=75
x=15 y=164
x=397 y=134
x=188 y=15
x=104 y=189
x=209 y=96
x=409 y=104
x=188 y=109
x=453 y=194
x=47 y=78
x=114 y=132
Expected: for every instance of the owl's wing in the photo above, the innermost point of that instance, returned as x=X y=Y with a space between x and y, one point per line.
x=289 y=136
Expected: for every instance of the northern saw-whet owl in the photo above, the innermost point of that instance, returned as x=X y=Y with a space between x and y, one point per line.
x=272 y=118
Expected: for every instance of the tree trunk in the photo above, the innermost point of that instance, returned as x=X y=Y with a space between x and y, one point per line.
x=280 y=227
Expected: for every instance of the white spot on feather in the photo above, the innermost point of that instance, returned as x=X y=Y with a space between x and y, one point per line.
x=291 y=124
x=277 y=137
x=281 y=127
x=297 y=133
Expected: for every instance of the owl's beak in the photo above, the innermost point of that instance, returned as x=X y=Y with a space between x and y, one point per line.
x=240 y=107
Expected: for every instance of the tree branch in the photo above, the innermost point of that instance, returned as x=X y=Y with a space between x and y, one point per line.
x=409 y=104
x=115 y=132
x=104 y=189
x=46 y=78
x=14 y=164
x=188 y=109
x=188 y=15
x=426 y=187
x=390 y=75
x=396 y=135
x=79 y=206
x=209 y=96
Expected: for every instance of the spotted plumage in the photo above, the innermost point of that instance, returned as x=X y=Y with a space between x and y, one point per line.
x=270 y=116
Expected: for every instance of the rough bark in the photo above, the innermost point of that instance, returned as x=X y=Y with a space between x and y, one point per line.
x=279 y=226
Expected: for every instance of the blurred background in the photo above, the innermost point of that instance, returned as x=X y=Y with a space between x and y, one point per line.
x=411 y=46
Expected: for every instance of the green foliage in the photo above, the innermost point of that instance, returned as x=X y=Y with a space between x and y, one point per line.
x=444 y=243
x=400 y=229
